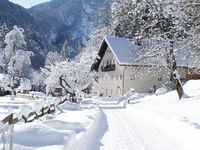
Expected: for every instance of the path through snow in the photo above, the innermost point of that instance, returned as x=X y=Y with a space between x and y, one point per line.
x=128 y=132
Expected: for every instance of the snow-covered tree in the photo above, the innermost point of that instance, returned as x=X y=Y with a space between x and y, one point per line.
x=17 y=59
x=14 y=40
x=37 y=80
x=53 y=58
x=71 y=76
x=106 y=16
x=65 y=52
x=25 y=86
x=160 y=26
x=3 y=31
x=190 y=13
x=89 y=53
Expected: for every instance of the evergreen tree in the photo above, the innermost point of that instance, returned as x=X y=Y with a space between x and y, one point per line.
x=191 y=11
x=3 y=31
x=65 y=52
x=106 y=16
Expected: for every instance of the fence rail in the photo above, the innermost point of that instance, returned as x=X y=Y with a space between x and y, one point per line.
x=7 y=128
x=10 y=119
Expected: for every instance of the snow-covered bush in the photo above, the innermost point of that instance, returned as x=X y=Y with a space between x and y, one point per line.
x=37 y=81
x=25 y=86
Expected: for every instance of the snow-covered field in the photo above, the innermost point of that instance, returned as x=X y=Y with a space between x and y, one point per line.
x=60 y=130
x=146 y=122
x=56 y=131
x=151 y=122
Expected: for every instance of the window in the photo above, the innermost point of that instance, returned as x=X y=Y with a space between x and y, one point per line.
x=105 y=77
x=107 y=63
x=111 y=91
x=132 y=77
x=159 y=78
x=113 y=61
x=110 y=62
x=112 y=78
x=120 y=76
x=108 y=51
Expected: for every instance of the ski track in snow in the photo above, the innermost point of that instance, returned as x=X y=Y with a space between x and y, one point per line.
x=128 y=132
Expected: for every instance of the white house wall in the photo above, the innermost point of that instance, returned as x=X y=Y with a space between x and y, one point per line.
x=139 y=79
x=110 y=81
x=148 y=81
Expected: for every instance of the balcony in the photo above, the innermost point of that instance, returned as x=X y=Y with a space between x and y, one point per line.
x=106 y=68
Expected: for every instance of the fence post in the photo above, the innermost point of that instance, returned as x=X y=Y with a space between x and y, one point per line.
x=11 y=136
x=10 y=119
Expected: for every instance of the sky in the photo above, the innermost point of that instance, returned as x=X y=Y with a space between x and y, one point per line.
x=28 y=3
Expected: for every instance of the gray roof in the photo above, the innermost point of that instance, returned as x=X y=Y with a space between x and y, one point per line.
x=126 y=53
x=122 y=48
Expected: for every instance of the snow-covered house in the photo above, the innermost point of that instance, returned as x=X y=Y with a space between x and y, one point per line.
x=118 y=74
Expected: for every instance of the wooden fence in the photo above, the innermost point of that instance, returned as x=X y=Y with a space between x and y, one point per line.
x=10 y=119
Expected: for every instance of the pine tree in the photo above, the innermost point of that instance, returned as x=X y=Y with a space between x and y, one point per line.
x=3 y=31
x=106 y=17
x=65 y=52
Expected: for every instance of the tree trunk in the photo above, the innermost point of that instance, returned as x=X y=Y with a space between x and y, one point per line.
x=73 y=95
x=173 y=68
x=179 y=88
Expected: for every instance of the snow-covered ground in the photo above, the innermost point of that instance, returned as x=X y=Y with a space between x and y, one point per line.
x=7 y=105
x=60 y=130
x=56 y=131
x=134 y=121
x=155 y=122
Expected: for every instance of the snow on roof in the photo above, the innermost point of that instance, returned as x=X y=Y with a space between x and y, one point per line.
x=122 y=49
x=126 y=53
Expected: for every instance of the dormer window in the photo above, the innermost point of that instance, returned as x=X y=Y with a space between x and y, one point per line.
x=108 y=51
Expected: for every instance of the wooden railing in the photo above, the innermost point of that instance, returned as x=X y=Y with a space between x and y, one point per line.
x=110 y=67
x=11 y=119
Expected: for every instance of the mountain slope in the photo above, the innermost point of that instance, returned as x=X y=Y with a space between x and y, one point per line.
x=69 y=19
x=13 y=14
